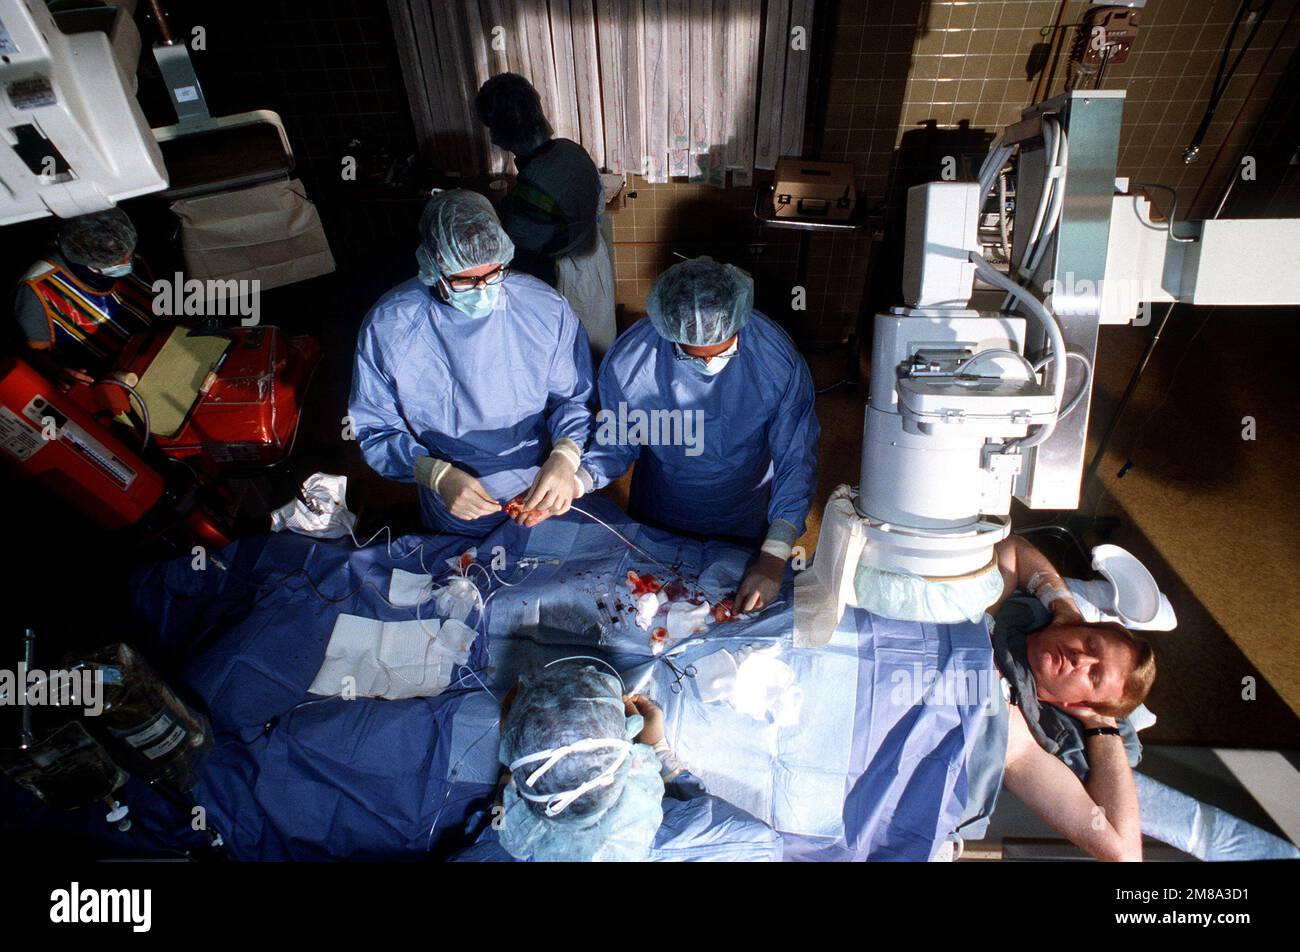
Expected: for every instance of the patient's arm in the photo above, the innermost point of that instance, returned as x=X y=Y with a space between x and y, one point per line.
x=1024 y=567
x=1100 y=817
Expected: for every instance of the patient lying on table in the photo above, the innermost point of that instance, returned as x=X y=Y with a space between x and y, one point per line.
x=589 y=776
x=1094 y=672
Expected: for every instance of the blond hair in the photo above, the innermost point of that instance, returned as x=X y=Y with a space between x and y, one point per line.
x=1138 y=683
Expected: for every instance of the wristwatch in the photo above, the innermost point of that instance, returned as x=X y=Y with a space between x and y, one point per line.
x=1101 y=732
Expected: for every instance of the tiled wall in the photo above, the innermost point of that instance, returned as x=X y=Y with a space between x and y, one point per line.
x=962 y=68
x=661 y=223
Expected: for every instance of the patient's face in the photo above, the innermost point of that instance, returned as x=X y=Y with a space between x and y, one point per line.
x=1079 y=664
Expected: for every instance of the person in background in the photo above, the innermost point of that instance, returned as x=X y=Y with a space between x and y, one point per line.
x=471 y=380
x=77 y=306
x=553 y=213
x=750 y=472
x=590 y=777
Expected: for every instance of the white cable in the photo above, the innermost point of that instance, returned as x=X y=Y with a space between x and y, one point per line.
x=1058 y=198
x=992 y=165
x=1047 y=215
x=1083 y=389
x=994 y=352
x=1056 y=340
x=625 y=540
x=1051 y=142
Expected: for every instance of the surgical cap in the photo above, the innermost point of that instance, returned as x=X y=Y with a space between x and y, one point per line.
x=563 y=705
x=701 y=302
x=461 y=230
x=511 y=108
x=99 y=239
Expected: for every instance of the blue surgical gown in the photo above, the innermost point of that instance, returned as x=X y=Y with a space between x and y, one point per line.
x=697 y=827
x=490 y=395
x=757 y=460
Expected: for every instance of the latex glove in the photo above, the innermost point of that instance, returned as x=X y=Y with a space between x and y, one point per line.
x=556 y=483
x=463 y=494
x=653 y=731
x=761 y=584
x=531 y=517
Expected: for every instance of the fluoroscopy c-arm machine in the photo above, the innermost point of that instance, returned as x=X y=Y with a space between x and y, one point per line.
x=969 y=408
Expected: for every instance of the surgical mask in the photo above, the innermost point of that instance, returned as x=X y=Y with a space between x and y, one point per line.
x=710 y=366
x=117 y=270
x=476 y=302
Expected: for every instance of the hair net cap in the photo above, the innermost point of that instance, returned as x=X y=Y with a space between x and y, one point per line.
x=99 y=239
x=701 y=302
x=558 y=707
x=512 y=109
x=461 y=230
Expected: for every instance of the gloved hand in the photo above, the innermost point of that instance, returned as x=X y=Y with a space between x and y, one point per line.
x=556 y=484
x=653 y=731
x=463 y=494
x=761 y=584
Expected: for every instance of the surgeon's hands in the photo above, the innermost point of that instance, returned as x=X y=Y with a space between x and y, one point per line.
x=464 y=495
x=556 y=483
x=653 y=732
x=761 y=584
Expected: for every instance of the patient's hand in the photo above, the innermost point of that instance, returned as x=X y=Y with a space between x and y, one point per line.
x=653 y=732
x=1088 y=717
x=1065 y=612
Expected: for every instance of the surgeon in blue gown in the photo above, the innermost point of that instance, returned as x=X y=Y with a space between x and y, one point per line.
x=473 y=381
x=591 y=778
x=736 y=456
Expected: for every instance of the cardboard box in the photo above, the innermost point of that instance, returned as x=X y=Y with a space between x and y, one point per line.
x=818 y=191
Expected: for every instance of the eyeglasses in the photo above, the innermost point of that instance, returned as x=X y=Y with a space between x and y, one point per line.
x=468 y=283
x=681 y=354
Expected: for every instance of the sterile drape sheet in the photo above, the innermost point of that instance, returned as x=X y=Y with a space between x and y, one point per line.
x=860 y=768
x=655 y=87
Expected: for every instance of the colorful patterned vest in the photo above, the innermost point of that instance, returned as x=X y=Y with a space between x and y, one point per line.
x=89 y=327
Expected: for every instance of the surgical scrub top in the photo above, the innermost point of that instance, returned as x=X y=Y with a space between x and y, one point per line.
x=753 y=463
x=490 y=395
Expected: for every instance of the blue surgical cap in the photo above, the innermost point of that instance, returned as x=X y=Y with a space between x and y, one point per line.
x=560 y=705
x=701 y=302
x=99 y=239
x=460 y=229
x=564 y=705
